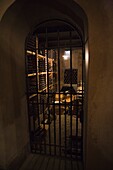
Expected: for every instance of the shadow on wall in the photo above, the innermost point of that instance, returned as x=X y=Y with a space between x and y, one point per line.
x=102 y=161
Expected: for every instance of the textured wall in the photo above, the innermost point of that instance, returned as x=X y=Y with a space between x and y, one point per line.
x=100 y=91
x=14 y=124
x=14 y=26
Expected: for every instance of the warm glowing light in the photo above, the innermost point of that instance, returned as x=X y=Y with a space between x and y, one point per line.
x=86 y=57
x=66 y=55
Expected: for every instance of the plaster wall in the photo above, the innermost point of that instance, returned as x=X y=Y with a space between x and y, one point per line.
x=17 y=22
x=99 y=151
x=12 y=97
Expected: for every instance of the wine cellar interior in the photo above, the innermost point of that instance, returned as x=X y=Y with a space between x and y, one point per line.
x=55 y=89
x=29 y=124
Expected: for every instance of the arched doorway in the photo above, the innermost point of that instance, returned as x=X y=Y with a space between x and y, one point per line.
x=16 y=23
x=55 y=89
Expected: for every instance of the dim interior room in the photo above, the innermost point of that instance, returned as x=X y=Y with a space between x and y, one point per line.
x=69 y=30
x=54 y=74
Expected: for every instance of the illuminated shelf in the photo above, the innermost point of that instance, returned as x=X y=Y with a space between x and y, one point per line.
x=41 y=56
x=32 y=74
x=41 y=80
x=30 y=52
x=41 y=73
x=33 y=95
x=42 y=90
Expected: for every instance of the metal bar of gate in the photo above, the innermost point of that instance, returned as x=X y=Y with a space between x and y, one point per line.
x=71 y=91
x=37 y=82
x=48 y=100
x=54 y=126
x=44 y=128
x=37 y=98
x=76 y=142
x=65 y=130
x=82 y=110
x=59 y=94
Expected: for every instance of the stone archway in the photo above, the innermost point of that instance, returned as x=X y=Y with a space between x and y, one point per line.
x=16 y=23
x=46 y=46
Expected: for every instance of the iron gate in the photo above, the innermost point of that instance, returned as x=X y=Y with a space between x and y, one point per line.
x=55 y=90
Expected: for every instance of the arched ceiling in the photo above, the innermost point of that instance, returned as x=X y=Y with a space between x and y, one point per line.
x=4 y=5
x=27 y=14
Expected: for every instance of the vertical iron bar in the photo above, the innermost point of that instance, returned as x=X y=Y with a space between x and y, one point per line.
x=54 y=126
x=40 y=126
x=71 y=90
x=48 y=104
x=37 y=79
x=82 y=110
x=65 y=130
x=44 y=128
x=77 y=105
x=59 y=95
x=38 y=95
x=34 y=115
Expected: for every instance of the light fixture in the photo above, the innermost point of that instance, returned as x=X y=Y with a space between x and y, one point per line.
x=66 y=55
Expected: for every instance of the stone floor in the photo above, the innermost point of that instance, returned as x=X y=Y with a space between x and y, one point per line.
x=41 y=162
x=58 y=133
